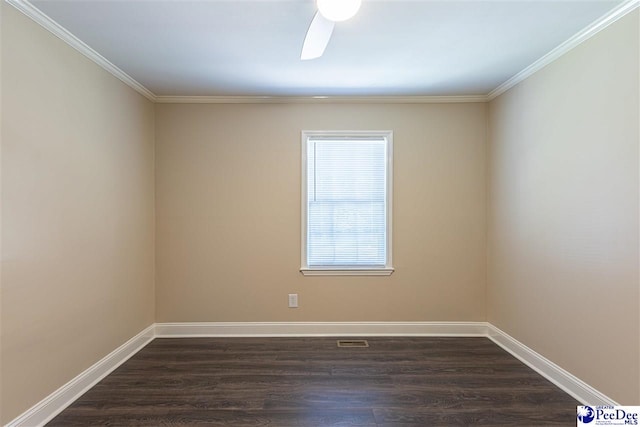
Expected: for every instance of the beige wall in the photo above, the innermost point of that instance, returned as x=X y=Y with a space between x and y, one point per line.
x=563 y=212
x=77 y=213
x=228 y=214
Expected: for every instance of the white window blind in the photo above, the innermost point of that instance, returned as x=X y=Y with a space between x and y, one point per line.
x=347 y=201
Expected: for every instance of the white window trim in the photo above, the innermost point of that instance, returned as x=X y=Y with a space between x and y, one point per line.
x=347 y=271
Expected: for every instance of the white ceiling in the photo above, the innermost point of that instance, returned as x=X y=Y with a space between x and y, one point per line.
x=392 y=47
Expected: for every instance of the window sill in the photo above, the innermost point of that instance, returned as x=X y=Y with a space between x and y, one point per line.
x=347 y=272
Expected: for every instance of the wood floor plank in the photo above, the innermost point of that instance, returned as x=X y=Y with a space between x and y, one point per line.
x=473 y=417
x=412 y=381
x=271 y=418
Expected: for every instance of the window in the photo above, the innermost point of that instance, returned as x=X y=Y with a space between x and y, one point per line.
x=346 y=203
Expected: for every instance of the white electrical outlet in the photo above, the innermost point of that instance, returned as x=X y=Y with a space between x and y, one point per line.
x=293 y=300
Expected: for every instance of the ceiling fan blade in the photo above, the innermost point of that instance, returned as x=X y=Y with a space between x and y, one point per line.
x=317 y=38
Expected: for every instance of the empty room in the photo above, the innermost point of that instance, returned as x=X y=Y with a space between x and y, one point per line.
x=319 y=213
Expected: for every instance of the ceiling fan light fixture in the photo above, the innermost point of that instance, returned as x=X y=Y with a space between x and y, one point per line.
x=338 y=10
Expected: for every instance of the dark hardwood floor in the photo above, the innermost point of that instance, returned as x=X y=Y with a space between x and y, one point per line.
x=311 y=382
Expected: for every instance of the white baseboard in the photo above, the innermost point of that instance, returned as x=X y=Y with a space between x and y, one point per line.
x=567 y=382
x=57 y=401
x=315 y=329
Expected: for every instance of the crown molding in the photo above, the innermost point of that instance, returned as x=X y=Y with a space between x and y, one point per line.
x=318 y=99
x=588 y=32
x=62 y=33
x=59 y=31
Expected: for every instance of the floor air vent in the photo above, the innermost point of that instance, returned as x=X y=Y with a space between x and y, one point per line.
x=353 y=343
